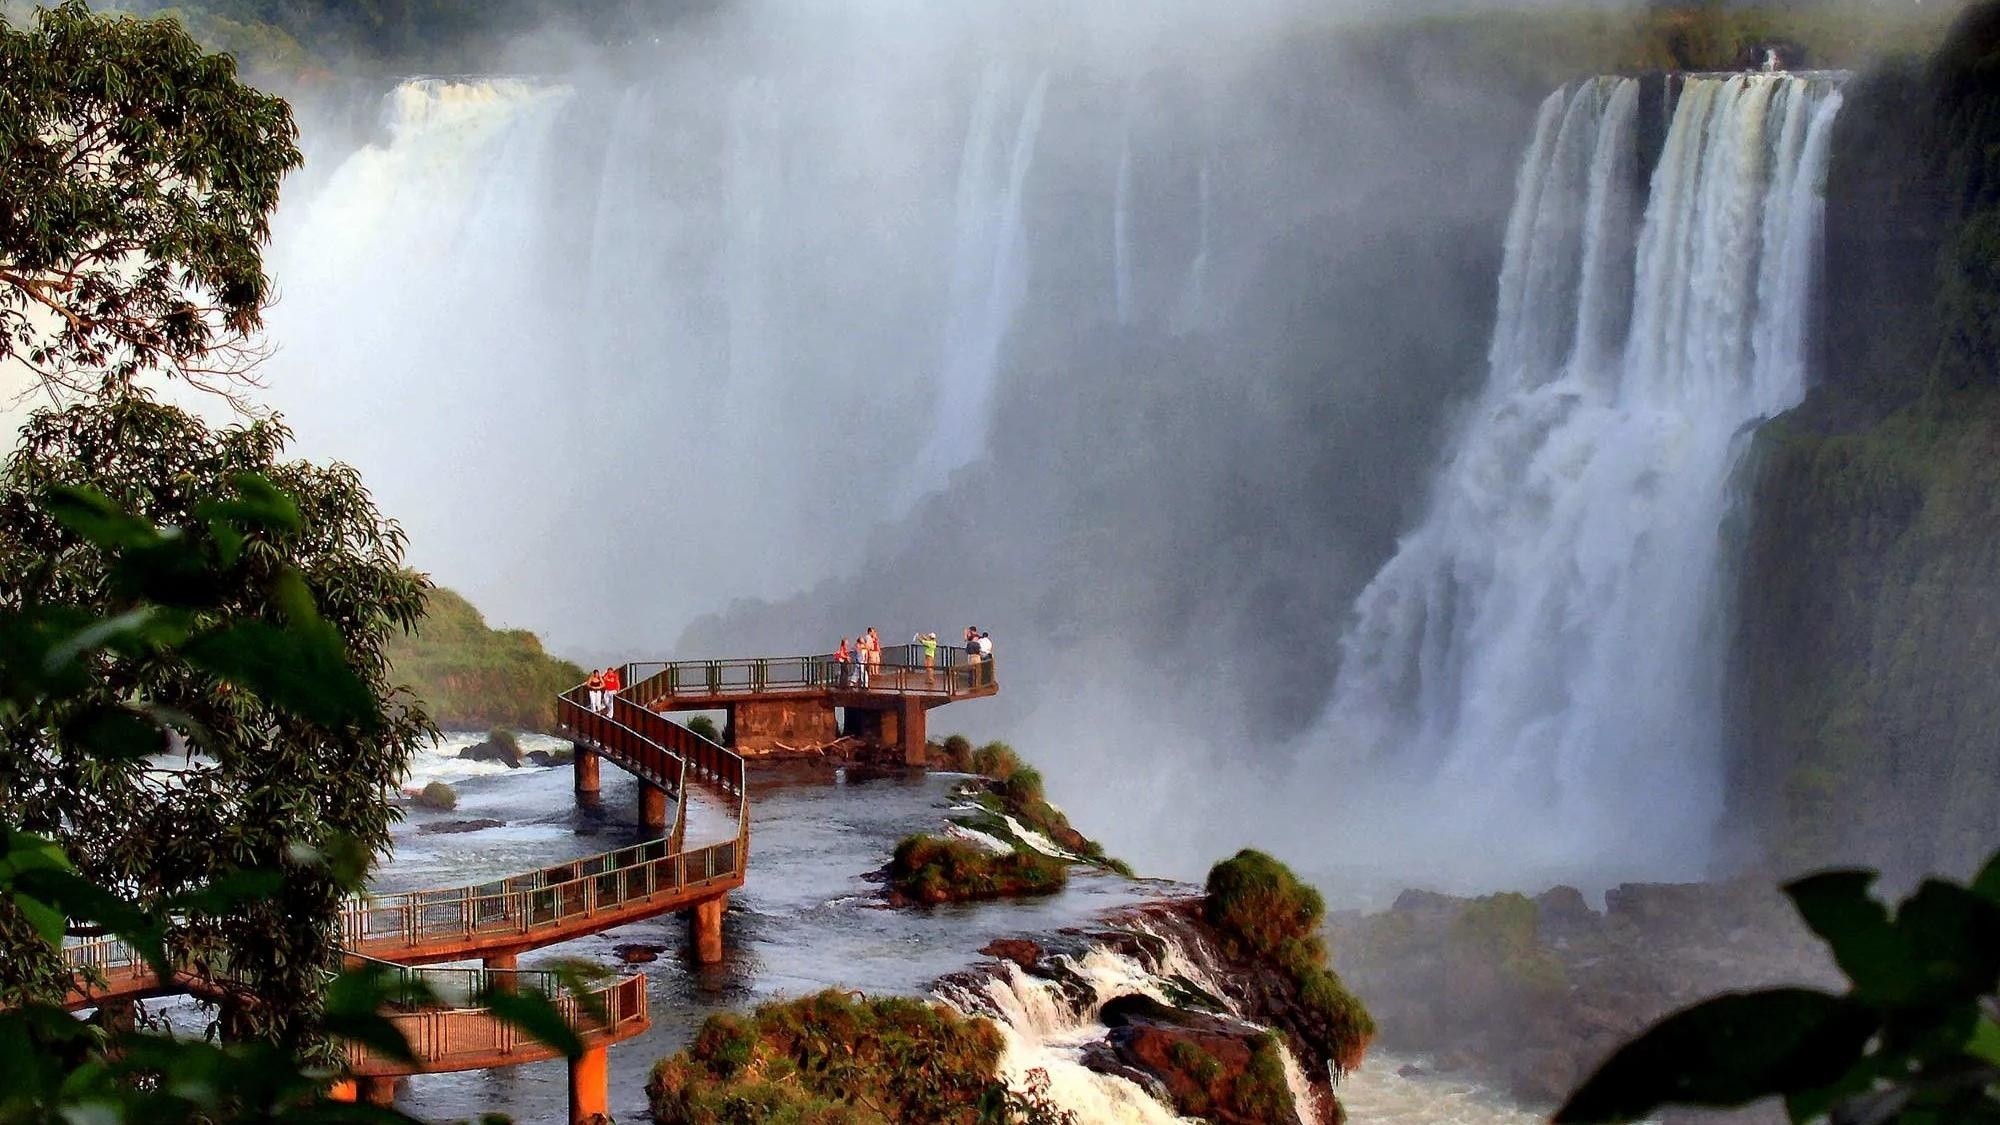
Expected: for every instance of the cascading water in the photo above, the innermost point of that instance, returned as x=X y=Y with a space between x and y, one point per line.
x=1539 y=663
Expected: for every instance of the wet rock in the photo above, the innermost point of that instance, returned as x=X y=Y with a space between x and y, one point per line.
x=450 y=827
x=495 y=748
x=1561 y=913
x=1020 y=951
x=437 y=795
x=1213 y=1068
x=561 y=756
x=636 y=954
x=1410 y=1070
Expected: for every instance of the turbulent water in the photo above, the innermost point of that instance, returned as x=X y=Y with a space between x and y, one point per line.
x=807 y=919
x=1539 y=663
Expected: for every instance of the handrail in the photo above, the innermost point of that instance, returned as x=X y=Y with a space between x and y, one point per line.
x=901 y=671
x=456 y=1038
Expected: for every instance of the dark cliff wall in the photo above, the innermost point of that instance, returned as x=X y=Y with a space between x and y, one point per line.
x=1869 y=643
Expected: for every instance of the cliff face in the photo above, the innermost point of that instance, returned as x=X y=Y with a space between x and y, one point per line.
x=471 y=677
x=1868 y=647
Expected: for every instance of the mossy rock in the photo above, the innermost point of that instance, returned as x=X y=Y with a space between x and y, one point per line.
x=934 y=870
x=437 y=795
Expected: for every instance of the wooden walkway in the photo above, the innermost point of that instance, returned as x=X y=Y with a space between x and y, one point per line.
x=496 y=921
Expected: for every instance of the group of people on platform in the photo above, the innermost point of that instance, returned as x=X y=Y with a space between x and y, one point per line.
x=602 y=686
x=858 y=661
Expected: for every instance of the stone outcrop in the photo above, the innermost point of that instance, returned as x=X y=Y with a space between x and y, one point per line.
x=1531 y=994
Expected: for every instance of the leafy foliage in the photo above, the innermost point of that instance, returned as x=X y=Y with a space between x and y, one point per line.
x=1914 y=1039
x=137 y=179
x=54 y=661
x=841 y=1059
x=469 y=676
x=234 y=706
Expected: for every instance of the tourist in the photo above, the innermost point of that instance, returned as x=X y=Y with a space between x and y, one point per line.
x=929 y=643
x=840 y=663
x=596 y=685
x=612 y=685
x=985 y=643
x=861 y=661
x=874 y=651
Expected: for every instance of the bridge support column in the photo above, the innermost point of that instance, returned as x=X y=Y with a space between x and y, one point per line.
x=590 y=1087
x=705 y=929
x=910 y=734
x=585 y=765
x=378 y=1091
x=118 y=1016
x=504 y=964
x=652 y=808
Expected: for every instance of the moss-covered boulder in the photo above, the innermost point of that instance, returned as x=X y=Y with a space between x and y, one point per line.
x=836 y=1059
x=1265 y=915
x=933 y=870
x=437 y=795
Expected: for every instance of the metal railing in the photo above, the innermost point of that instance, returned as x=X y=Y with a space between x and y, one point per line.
x=901 y=672
x=442 y=1037
x=527 y=904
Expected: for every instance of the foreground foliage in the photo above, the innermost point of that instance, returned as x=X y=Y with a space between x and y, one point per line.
x=1264 y=912
x=138 y=178
x=471 y=677
x=238 y=708
x=839 y=1059
x=1913 y=1040
x=286 y=670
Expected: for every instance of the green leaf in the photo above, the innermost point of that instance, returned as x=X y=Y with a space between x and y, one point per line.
x=1953 y=937
x=1727 y=1051
x=1984 y=1043
x=1866 y=945
x=304 y=671
x=537 y=1016
x=92 y=515
x=114 y=733
x=1987 y=883
x=229 y=891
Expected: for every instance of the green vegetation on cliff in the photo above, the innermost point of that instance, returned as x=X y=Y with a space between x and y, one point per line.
x=1015 y=789
x=472 y=677
x=838 y=1059
x=934 y=870
x=1265 y=913
x=1869 y=638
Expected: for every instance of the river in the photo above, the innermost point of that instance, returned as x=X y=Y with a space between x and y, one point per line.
x=806 y=919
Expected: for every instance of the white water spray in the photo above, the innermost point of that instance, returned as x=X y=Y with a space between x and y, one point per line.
x=1538 y=666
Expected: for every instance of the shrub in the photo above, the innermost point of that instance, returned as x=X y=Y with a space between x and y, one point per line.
x=1262 y=1092
x=835 y=1058
x=437 y=795
x=933 y=870
x=1263 y=912
x=705 y=727
x=1022 y=788
x=996 y=760
x=1258 y=903
x=958 y=751
x=505 y=739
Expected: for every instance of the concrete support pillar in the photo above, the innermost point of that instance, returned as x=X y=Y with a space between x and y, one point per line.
x=378 y=1091
x=652 y=808
x=911 y=735
x=503 y=964
x=705 y=929
x=585 y=765
x=590 y=1087
x=118 y=1016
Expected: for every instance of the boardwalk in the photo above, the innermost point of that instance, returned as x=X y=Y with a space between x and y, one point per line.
x=767 y=699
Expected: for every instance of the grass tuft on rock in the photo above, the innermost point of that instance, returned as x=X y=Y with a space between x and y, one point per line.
x=1016 y=789
x=836 y=1058
x=1264 y=912
x=437 y=795
x=934 y=870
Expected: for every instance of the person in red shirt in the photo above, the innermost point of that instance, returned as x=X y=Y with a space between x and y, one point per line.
x=611 y=686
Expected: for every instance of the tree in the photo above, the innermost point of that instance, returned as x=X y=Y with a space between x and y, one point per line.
x=137 y=180
x=242 y=746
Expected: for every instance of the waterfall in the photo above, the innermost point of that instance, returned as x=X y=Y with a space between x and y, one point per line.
x=1539 y=662
x=988 y=282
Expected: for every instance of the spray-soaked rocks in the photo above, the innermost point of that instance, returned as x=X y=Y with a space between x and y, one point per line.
x=1532 y=993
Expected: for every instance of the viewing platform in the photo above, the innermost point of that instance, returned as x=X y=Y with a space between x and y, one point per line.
x=781 y=703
